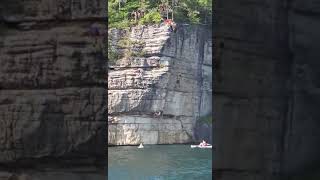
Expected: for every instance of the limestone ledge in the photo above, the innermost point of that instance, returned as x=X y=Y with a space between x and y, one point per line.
x=55 y=58
x=50 y=122
x=137 y=129
x=173 y=79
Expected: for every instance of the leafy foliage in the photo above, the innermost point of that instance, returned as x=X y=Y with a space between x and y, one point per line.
x=206 y=119
x=125 y=43
x=128 y=47
x=150 y=18
x=112 y=54
x=119 y=16
x=194 y=11
x=184 y=11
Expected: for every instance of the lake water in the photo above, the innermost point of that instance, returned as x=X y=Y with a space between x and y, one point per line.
x=159 y=162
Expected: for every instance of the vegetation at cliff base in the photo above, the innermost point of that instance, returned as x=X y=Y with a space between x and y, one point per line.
x=112 y=53
x=206 y=119
x=121 y=13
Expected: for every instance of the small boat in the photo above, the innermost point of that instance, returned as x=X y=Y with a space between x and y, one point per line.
x=140 y=146
x=209 y=146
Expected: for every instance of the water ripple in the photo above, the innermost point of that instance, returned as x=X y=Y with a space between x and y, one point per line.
x=157 y=162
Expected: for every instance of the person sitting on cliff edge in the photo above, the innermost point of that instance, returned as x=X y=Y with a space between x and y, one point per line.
x=171 y=24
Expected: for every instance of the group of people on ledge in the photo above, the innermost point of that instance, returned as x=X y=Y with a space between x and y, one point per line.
x=136 y=15
x=171 y=24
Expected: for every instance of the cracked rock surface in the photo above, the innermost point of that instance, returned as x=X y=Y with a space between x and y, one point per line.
x=52 y=82
x=157 y=98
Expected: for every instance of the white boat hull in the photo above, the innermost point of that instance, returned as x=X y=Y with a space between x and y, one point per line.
x=204 y=147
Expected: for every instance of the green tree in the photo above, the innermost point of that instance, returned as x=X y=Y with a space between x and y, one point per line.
x=184 y=11
x=152 y=17
x=194 y=11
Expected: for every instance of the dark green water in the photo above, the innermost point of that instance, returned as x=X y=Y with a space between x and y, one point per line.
x=159 y=162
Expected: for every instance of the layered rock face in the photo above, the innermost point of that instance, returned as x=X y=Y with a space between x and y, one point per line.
x=53 y=92
x=156 y=98
x=53 y=174
x=266 y=94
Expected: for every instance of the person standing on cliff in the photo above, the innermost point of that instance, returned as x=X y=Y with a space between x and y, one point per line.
x=174 y=27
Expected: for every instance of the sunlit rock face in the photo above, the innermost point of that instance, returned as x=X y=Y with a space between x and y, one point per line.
x=156 y=98
x=52 y=79
x=266 y=94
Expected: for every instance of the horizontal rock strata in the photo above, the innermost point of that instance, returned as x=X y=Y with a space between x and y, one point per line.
x=52 y=81
x=156 y=98
x=266 y=90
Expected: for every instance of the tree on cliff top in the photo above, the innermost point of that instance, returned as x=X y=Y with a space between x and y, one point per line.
x=183 y=11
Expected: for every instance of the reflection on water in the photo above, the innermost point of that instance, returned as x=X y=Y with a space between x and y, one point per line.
x=159 y=162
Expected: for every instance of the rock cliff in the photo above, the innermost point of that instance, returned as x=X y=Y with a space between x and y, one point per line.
x=52 y=87
x=266 y=93
x=156 y=95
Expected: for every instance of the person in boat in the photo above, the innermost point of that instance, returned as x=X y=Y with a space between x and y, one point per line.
x=157 y=114
x=203 y=143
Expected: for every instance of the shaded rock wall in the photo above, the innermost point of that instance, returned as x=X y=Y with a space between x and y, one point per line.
x=88 y=173
x=266 y=89
x=203 y=131
x=173 y=77
x=27 y=12
x=52 y=87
